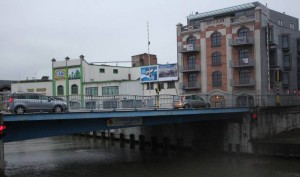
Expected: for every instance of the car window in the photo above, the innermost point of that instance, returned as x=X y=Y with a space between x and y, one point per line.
x=35 y=97
x=20 y=96
x=187 y=97
x=44 y=98
x=196 y=97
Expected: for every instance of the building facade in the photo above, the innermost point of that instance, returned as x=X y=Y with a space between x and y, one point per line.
x=238 y=51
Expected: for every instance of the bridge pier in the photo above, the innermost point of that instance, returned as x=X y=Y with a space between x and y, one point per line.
x=1 y=150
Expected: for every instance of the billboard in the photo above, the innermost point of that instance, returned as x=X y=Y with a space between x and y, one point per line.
x=59 y=74
x=74 y=73
x=167 y=72
x=149 y=74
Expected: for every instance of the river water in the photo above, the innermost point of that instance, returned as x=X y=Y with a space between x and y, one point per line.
x=79 y=156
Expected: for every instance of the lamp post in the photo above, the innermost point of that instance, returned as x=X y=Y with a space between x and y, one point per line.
x=67 y=82
x=53 y=79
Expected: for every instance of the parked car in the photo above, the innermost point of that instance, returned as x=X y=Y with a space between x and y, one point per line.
x=190 y=101
x=20 y=103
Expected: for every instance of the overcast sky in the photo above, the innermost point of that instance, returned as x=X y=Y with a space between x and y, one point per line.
x=32 y=32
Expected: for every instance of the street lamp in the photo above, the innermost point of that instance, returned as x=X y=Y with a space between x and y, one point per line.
x=67 y=82
x=53 y=80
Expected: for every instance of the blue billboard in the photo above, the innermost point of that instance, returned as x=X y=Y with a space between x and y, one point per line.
x=149 y=74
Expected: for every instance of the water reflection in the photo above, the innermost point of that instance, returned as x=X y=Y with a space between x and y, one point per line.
x=83 y=156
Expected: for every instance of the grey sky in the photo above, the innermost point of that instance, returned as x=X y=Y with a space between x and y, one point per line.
x=32 y=32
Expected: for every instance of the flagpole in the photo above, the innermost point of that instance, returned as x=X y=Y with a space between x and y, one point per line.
x=149 y=86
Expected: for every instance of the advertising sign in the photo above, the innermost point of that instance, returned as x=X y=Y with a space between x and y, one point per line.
x=59 y=74
x=149 y=74
x=167 y=72
x=74 y=73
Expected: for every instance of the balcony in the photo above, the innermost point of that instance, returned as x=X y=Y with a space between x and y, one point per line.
x=190 y=48
x=242 y=83
x=190 y=68
x=191 y=86
x=190 y=28
x=238 y=41
x=245 y=62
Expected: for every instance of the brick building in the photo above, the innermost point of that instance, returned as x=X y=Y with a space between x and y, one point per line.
x=228 y=52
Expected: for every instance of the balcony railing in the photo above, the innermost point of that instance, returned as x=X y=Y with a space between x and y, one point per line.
x=191 y=86
x=242 y=83
x=243 y=19
x=237 y=41
x=190 y=48
x=245 y=62
x=190 y=28
x=190 y=68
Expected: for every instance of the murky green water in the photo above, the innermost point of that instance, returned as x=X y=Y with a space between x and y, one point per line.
x=75 y=156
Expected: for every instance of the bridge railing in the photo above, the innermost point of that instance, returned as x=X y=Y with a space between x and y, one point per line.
x=164 y=101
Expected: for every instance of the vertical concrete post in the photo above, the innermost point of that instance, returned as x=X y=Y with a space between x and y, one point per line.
x=154 y=143
x=103 y=135
x=132 y=141
x=166 y=145
x=1 y=150
x=142 y=142
x=122 y=140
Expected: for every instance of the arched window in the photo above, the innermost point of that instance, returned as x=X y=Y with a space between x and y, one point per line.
x=74 y=89
x=217 y=79
x=192 y=80
x=192 y=62
x=216 y=59
x=216 y=39
x=60 y=90
x=244 y=57
x=191 y=40
x=244 y=76
x=243 y=32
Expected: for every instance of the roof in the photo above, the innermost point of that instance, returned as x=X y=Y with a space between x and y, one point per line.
x=5 y=83
x=223 y=11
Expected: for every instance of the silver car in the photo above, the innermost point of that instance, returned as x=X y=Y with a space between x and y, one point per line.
x=190 y=101
x=20 y=103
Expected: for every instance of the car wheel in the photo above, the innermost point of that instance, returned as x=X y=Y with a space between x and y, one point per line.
x=20 y=110
x=186 y=106
x=58 y=109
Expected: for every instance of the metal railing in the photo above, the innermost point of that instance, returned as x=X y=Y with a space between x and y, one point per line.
x=163 y=101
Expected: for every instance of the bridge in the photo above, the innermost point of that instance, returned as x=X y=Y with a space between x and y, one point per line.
x=29 y=126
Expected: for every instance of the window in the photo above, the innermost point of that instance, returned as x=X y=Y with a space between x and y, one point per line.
x=91 y=91
x=33 y=97
x=285 y=79
x=216 y=39
x=192 y=62
x=74 y=89
x=243 y=32
x=150 y=86
x=287 y=62
x=217 y=79
x=216 y=59
x=110 y=90
x=192 y=80
x=285 y=42
x=292 y=26
x=243 y=57
x=60 y=90
x=171 y=84
x=244 y=76
x=115 y=71
x=161 y=85
x=102 y=70
x=191 y=40
x=280 y=22
x=271 y=35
